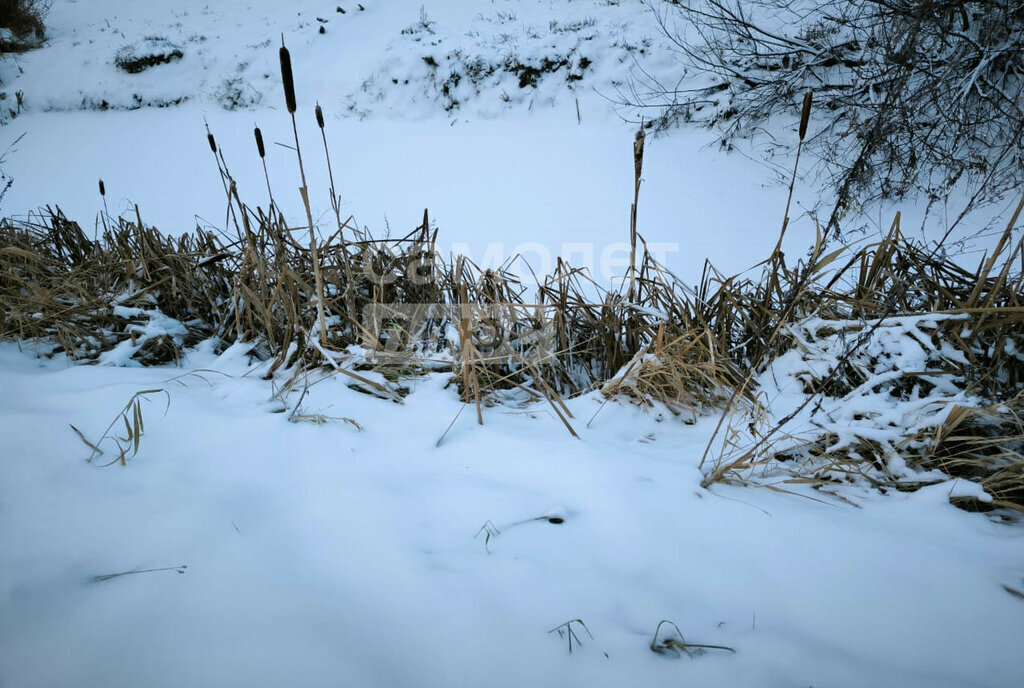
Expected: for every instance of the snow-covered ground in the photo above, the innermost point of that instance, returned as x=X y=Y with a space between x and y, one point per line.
x=324 y=555
x=365 y=551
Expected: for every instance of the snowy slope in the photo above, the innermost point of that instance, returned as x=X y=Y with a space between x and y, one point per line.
x=387 y=551
x=512 y=169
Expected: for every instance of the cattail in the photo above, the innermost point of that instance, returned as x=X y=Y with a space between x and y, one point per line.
x=259 y=142
x=287 y=79
x=319 y=116
x=213 y=144
x=638 y=153
x=805 y=115
x=103 y=189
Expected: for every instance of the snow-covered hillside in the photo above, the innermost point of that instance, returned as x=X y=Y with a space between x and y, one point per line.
x=267 y=534
x=534 y=159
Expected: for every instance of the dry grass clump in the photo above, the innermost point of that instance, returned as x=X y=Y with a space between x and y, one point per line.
x=60 y=285
x=681 y=342
x=681 y=374
x=984 y=444
x=894 y=324
x=42 y=293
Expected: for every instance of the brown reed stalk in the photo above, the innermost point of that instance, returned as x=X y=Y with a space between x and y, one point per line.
x=289 y=94
x=263 y=159
x=776 y=265
x=467 y=353
x=106 y=211
x=227 y=182
x=638 y=164
x=350 y=307
x=805 y=116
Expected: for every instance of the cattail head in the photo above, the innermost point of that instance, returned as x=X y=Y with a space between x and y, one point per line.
x=259 y=142
x=103 y=189
x=213 y=143
x=805 y=115
x=319 y=116
x=638 y=152
x=287 y=79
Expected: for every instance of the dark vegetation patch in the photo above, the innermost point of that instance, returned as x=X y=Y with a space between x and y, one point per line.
x=21 y=24
x=137 y=102
x=475 y=72
x=530 y=74
x=159 y=350
x=149 y=52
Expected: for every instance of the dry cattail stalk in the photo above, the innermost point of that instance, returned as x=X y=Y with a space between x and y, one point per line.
x=103 y=217
x=638 y=154
x=289 y=96
x=287 y=79
x=259 y=142
x=638 y=166
x=336 y=206
x=805 y=115
x=213 y=143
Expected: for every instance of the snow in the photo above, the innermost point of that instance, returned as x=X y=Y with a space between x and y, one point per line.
x=324 y=553
x=552 y=184
x=333 y=538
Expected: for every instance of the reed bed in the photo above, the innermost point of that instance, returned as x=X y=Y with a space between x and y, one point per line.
x=380 y=310
x=395 y=308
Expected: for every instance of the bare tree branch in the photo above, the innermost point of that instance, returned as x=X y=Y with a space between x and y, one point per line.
x=912 y=96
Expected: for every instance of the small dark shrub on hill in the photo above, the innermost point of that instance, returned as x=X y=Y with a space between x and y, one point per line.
x=24 y=19
x=149 y=52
